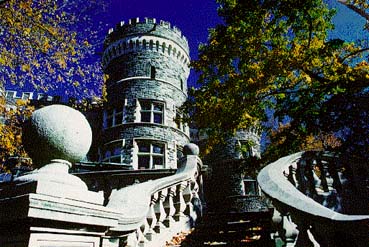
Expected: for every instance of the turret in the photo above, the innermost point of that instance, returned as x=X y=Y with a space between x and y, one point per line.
x=147 y=66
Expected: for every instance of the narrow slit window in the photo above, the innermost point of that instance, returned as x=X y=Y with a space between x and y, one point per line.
x=153 y=72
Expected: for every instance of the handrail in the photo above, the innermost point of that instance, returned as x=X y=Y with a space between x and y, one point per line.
x=159 y=201
x=275 y=185
x=316 y=224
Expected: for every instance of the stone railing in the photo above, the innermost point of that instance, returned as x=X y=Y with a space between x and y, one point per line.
x=50 y=207
x=307 y=191
x=154 y=211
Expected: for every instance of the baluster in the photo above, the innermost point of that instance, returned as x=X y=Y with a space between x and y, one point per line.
x=140 y=237
x=323 y=177
x=303 y=238
x=293 y=174
x=332 y=169
x=200 y=183
x=169 y=208
x=300 y=175
x=180 y=203
x=187 y=196
x=311 y=192
x=160 y=211
x=290 y=231
x=277 y=225
x=151 y=218
x=195 y=201
x=290 y=177
x=329 y=177
x=132 y=240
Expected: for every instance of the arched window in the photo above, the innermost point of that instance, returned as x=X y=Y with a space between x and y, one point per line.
x=151 y=45
x=144 y=43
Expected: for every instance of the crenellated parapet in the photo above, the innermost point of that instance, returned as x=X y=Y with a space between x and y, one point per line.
x=146 y=25
x=146 y=34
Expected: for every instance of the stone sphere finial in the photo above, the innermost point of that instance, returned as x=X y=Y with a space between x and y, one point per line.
x=191 y=149
x=56 y=132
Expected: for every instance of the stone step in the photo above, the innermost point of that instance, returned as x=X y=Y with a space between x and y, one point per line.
x=229 y=231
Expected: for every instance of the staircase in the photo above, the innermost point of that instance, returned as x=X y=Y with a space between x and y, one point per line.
x=236 y=221
x=311 y=194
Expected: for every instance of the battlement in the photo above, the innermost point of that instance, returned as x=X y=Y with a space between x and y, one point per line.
x=146 y=26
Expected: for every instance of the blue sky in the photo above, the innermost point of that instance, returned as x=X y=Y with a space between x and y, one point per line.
x=195 y=17
x=192 y=17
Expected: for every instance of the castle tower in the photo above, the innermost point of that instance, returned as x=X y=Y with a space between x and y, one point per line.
x=147 y=65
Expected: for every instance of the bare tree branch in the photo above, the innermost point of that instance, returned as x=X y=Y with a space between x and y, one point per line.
x=355 y=8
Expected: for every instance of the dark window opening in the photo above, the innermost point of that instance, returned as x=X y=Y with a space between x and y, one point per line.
x=153 y=72
x=143 y=162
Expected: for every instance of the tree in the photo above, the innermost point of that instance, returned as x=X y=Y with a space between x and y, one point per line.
x=47 y=44
x=12 y=117
x=274 y=59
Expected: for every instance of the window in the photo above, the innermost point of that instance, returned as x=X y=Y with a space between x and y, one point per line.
x=113 y=117
x=119 y=116
x=152 y=112
x=151 y=155
x=153 y=72
x=109 y=118
x=179 y=152
x=10 y=94
x=179 y=121
x=27 y=95
x=113 y=152
x=248 y=148
x=251 y=187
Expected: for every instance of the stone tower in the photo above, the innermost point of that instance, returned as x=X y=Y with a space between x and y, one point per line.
x=147 y=67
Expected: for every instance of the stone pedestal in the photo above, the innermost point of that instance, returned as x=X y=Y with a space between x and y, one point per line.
x=50 y=212
x=50 y=207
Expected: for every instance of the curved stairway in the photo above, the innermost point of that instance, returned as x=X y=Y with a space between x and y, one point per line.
x=308 y=191
x=236 y=221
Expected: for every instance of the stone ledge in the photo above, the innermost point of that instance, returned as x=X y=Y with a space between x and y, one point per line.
x=56 y=209
x=51 y=188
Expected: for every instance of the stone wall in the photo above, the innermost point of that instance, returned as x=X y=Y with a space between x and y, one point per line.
x=146 y=62
x=131 y=132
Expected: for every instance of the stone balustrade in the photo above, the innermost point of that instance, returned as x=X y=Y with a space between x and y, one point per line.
x=154 y=211
x=50 y=207
x=310 y=192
